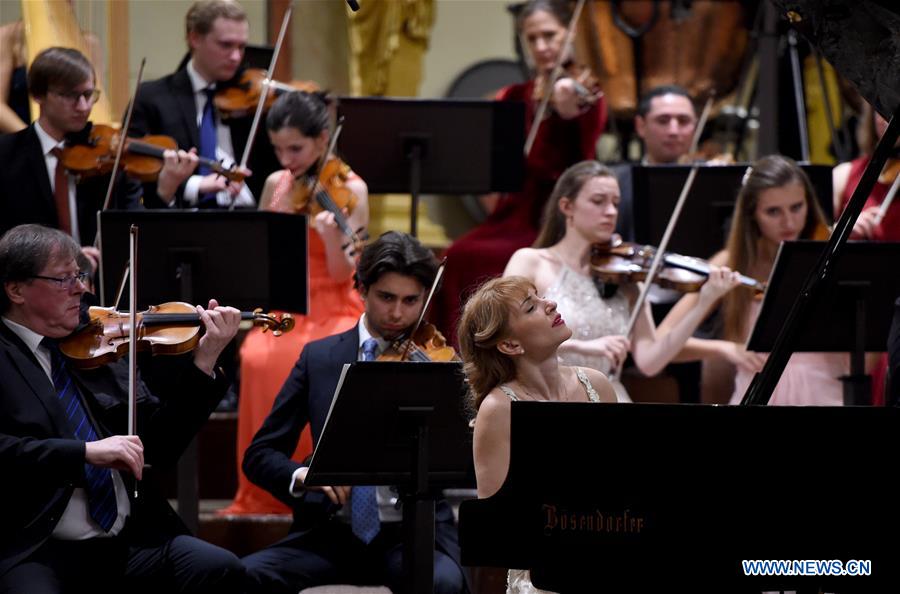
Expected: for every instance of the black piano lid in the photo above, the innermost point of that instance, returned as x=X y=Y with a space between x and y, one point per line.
x=860 y=38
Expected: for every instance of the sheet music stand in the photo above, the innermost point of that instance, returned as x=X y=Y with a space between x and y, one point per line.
x=445 y=146
x=858 y=307
x=411 y=418
x=245 y=259
x=703 y=226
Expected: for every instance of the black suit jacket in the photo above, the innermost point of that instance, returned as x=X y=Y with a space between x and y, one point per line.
x=305 y=398
x=42 y=462
x=166 y=106
x=26 y=197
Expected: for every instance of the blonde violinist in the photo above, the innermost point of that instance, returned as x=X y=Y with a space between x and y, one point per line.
x=298 y=126
x=581 y=212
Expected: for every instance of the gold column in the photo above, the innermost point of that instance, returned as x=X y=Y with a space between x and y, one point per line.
x=388 y=41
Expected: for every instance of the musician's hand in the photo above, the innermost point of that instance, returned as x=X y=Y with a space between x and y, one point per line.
x=220 y=325
x=120 y=452
x=740 y=357
x=337 y=495
x=234 y=188
x=177 y=167
x=212 y=183
x=612 y=348
x=865 y=225
x=565 y=99
x=93 y=255
x=720 y=281
x=326 y=225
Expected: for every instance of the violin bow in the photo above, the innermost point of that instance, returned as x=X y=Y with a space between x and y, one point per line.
x=123 y=133
x=264 y=93
x=132 y=338
x=886 y=203
x=659 y=255
x=431 y=292
x=557 y=71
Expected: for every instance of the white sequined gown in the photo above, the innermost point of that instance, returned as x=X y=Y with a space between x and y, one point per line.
x=589 y=316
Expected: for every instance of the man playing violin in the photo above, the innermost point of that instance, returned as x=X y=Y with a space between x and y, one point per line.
x=69 y=518
x=181 y=105
x=342 y=534
x=34 y=188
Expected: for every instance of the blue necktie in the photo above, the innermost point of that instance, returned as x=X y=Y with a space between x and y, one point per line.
x=98 y=481
x=363 y=504
x=208 y=144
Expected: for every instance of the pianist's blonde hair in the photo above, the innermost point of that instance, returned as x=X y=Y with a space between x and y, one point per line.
x=484 y=323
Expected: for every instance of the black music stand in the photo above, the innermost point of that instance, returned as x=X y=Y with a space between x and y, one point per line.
x=857 y=308
x=446 y=146
x=703 y=226
x=245 y=259
x=411 y=420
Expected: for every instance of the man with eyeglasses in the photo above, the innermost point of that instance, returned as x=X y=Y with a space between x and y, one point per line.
x=35 y=188
x=69 y=518
x=182 y=105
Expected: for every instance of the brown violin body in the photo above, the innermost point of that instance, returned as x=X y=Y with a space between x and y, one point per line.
x=167 y=329
x=94 y=153
x=308 y=197
x=241 y=98
x=587 y=86
x=620 y=262
x=426 y=345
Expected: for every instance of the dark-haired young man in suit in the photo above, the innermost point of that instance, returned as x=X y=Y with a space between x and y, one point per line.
x=68 y=518
x=334 y=539
x=35 y=188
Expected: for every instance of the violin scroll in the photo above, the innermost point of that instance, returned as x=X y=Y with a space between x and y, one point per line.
x=277 y=325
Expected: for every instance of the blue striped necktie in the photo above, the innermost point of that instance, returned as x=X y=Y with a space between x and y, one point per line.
x=98 y=481
x=364 y=520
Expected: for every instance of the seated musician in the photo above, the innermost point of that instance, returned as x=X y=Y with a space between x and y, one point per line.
x=509 y=339
x=776 y=203
x=69 y=519
x=581 y=212
x=35 y=187
x=665 y=121
x=182 y=105
x=342 y=534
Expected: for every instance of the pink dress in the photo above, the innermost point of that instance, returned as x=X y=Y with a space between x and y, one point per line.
x=809 y=379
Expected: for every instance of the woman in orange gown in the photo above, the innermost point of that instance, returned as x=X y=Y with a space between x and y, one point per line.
x=298 y=129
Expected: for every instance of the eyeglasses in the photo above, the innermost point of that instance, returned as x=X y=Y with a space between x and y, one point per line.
x=73 y=96
x=67 y=282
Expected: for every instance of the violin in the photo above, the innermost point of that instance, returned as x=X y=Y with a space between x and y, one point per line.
x=241 y=97
x=620 y=262
x=587 y=85
x=93 y=152
x=425 y=345
x=167 y=329
x=327 y=190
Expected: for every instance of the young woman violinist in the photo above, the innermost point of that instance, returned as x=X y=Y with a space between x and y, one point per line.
x=568 y=134
x=582 y=211
x=776 y=203
x=298 y=128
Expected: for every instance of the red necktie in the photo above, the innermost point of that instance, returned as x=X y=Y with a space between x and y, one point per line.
x=61 y=194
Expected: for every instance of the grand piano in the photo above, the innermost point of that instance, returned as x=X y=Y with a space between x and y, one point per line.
x=674 y=498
